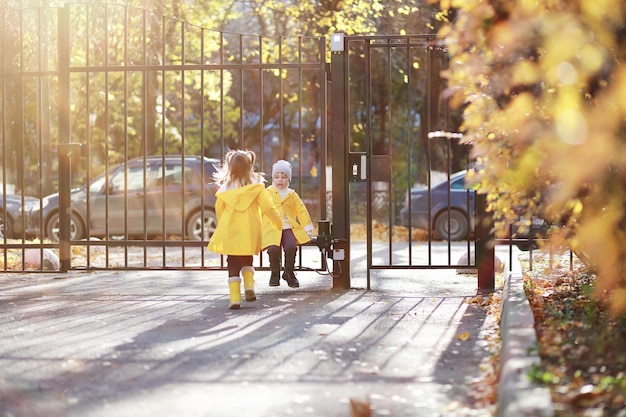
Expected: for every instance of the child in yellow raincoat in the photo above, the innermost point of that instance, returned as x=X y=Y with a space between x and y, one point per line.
x=241 y=200
x=297 y=228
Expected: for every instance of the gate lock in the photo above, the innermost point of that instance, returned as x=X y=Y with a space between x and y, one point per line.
x=358 y=166
x=330 y=248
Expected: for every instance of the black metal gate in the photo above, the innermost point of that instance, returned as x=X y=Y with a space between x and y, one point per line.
x=155 y=102
x=390 y=118
x=125 y=113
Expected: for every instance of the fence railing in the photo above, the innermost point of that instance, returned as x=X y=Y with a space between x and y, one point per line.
x=87 y=88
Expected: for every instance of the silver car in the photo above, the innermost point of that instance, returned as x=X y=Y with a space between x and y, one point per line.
x=156 y=196
x=448 y=208
x=14 y=213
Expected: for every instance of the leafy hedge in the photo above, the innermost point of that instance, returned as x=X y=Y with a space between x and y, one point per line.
x=543 y=86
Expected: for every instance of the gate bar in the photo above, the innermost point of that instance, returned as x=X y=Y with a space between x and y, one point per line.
x=64 y=139
x=485 y=245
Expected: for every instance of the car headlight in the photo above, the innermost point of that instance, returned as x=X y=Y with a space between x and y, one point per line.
x=32 y=205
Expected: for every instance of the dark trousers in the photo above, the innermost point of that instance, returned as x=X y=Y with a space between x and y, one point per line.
x=236 y=262
x=290 y=247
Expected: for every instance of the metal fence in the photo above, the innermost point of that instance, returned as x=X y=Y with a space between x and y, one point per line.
x=113 y=120
x=114 y=101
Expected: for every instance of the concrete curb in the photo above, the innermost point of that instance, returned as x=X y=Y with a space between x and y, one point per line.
x=517 y=394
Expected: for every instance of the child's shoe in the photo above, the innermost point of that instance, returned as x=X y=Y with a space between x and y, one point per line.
x=291 y=279
x=234 y=284
x=275 y=278
x=248 y=282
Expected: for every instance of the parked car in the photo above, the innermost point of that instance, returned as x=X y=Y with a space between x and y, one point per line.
x=461 y=218
x=14 y=214
x=169 y=203
x=453 y=224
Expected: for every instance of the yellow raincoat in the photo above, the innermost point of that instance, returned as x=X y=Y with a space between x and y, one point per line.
x=293 y=209
x=239 y=224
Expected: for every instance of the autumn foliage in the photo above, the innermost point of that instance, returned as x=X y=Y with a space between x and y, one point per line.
x=543 y=86
x=570 y=324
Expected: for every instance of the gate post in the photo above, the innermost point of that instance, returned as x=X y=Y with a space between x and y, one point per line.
x=339 y=154
x=64 y=138
x=485 y=245
x=66 y=151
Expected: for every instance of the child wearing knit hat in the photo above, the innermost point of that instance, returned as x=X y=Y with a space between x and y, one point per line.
x=297 y=228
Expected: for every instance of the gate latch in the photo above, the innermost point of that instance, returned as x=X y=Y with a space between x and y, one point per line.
x=358 y=166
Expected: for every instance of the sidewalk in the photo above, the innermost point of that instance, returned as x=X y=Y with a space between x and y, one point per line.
x=165 y=344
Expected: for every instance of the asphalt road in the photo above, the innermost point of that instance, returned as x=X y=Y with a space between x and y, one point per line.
x=165 y=344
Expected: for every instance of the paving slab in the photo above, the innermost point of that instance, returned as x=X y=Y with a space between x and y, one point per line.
x=163 y=343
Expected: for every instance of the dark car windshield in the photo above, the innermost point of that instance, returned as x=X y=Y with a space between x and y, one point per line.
x=458 y=183
x=209 y=170
x=97 y=185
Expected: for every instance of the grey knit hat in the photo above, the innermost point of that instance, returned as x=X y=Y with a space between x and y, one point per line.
x=282 y=166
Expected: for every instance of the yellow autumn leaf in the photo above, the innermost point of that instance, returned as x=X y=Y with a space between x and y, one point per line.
x=525 y=72
x=476 y=300
x=463 y=336
x=618 y=303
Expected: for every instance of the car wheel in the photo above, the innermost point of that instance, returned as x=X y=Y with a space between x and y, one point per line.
x=6 y=228
x=458 y=226
x=52 y=228
x=199 y=228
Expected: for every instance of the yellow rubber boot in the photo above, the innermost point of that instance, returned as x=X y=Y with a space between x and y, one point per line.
x=248 y=282
x=234 y=284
